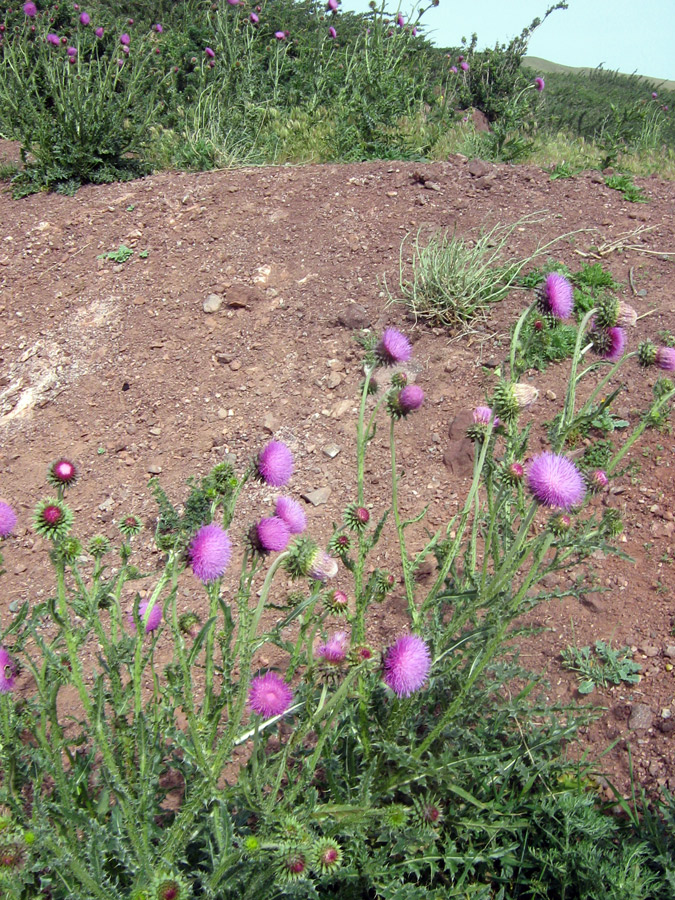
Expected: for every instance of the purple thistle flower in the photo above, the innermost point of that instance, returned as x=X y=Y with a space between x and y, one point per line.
x=665 y=359
x=410 y=398
x=98 y=32
x=154 y=618
x=275 y=464
x=125 y=39
x=72 y=51
x=269 y=695
x=400 y=21
x=85 y=18
x=334 y=650
x=7 y=519
x=280 y=35
x=394 y=347
x=557 y=296
x=53 y=39
x=539 y=83
x=654 y=94
x=158 y=28
x=332 y=32
x=209 y=552
x=483 y=415
x=209 y=52
x=7 y=672
x=406 y=665
x=332 y=5
x=272 y=534
x=454 y=69
x=292 y=514
x=253 y=18
x=616 y=344
x=30 y=9
x=555 y=481
x=464 y=66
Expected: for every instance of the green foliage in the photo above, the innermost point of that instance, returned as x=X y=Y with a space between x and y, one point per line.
x=545 y=340
x=615 y=111
x=601 y=666
x=626 y=185
x=121 y=255
x=454 y=283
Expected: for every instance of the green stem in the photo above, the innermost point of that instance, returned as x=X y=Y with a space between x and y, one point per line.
x=400 y=528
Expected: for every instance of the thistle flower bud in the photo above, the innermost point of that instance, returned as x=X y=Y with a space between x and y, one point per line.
x=292 y=865
x=337 y=602
x=610 y=343
x=340 y=545
x=188 y=623
x=511 y=399
x=62 y=473
x=52 y=518
x=169 y=887
x=326 y=856
x=130 y=526
x=98 y=546
x=356 y=517
x=513 y=473
x=597 y=480
x=611 y=523
x=560 y=524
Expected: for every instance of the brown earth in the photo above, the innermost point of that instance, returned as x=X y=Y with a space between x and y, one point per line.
x=119 y=367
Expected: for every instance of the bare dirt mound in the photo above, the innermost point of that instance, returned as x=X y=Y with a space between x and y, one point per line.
x=118 y=366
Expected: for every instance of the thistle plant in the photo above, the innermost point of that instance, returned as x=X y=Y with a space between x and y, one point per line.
x=275 y=746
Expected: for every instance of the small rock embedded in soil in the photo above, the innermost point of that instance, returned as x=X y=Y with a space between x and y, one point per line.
x=154 y=468
x=212 y=303
x=640 y=717
x=317 y=497
x=354 y=317
x=331 y=450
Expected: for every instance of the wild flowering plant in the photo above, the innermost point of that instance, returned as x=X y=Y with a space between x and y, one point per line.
x=280 y=747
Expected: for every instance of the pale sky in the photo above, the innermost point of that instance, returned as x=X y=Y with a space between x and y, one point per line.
x=628 y=35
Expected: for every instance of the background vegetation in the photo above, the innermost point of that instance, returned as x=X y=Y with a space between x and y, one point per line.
x=201 y=85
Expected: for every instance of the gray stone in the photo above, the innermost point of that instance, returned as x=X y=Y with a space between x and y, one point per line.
x=670 y=652
x=354 y=317
x=330 y=450
x=640 y=717
x=212 y=303
x=154 y=468
x=317 y=497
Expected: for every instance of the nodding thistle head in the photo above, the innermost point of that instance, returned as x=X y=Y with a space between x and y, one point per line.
x=62 y=474
x=326 y=856
x=511 y=399
x=52 y=518
x=482 y=416
x=409 y=399
x=610 y=343
x=356 y=517
x=556 y=297
x=647 y=353
x=395 y=816
x=612 y=312
x=306 y=560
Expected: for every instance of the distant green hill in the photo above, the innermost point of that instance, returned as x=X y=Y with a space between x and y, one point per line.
x=545 y=65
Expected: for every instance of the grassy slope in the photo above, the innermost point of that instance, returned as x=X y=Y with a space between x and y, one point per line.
x=545 y=65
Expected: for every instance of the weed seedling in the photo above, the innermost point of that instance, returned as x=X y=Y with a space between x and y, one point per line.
x=601 y=666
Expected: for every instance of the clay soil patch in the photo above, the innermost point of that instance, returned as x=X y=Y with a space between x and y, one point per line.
x=118 y=366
